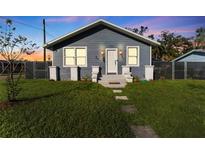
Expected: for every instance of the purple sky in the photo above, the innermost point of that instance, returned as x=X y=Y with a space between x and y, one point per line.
x=57 y=26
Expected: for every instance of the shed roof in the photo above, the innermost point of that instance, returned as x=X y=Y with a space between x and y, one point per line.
x=101 y=22
x=188 y=53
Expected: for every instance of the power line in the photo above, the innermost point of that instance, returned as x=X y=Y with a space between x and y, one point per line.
x=28 y=25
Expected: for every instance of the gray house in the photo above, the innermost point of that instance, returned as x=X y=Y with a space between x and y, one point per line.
x=101 y=50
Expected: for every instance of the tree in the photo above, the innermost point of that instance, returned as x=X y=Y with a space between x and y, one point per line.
x=141 y=31
x=12 y=49
x=200 y=38
x=172 y=46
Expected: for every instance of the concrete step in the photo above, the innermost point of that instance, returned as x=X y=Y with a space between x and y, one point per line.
x=114 y=86
x=113 y=81
x=113 y=76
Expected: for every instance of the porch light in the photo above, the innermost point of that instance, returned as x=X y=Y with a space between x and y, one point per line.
x=120 y=52
x=102 y=52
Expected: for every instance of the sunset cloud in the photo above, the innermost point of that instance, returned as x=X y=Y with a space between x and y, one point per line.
x=63 y=19
x=157 y=32
x=180 y=25
x=36 y=56
x=71 y=19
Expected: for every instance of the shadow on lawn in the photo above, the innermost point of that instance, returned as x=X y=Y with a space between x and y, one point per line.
x=7 y=104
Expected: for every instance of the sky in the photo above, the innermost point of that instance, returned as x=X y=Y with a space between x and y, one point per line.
x=31 y=26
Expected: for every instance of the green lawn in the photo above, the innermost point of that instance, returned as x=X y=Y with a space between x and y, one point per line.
x=171 y=108
x=83 y=109
x=63 y=109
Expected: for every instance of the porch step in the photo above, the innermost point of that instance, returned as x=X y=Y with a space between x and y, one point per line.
x=113 y=77
x=113 y=81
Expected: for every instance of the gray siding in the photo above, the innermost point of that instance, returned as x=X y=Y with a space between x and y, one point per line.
x=101 y=38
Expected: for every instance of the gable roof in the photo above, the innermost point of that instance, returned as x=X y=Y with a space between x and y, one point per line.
x=106 y=23
x=188 y=53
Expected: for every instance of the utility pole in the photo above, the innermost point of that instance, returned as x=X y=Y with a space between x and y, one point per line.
x=44 y=40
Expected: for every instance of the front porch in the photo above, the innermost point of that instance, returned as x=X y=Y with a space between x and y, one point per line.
x=114 y=80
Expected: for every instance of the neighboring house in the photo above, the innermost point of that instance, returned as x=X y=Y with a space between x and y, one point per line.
x=196 y=55
x=99 y=49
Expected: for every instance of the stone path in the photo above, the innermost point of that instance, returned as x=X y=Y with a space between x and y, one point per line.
x=128 y=108
x=143 y=131
x=124 y=98
x=139 y=131
x=117 y=91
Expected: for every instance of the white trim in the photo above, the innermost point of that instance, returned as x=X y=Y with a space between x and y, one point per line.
x=150 y=52
x=93 y=24
x=86 y=61
x=106 y=59
x=137 y=65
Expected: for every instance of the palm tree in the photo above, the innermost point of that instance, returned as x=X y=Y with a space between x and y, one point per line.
x=200 y=37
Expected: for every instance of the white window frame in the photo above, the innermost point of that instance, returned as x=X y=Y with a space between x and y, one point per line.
x=75 y=47
x=138 y=60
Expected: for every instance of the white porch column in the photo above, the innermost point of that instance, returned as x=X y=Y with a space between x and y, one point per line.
x=149 y=72
x=125 y=69
x=53 y=73
x=95 y=71
x=126 y=72
x=74 y=73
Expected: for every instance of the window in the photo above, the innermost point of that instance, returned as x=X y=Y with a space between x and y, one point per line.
x=75 y=56
x=133 y=56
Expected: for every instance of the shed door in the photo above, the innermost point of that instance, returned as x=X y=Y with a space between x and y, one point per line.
x=112 y=61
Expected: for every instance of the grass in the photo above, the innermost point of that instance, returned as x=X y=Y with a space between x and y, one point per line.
x=84 y=109
x=63 y=109
x=171 y=108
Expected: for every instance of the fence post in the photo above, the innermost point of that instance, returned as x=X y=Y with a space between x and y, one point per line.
x=185 y=70
x=34 y=70
x=24 y=65
x=46 y=70
x=173 y=70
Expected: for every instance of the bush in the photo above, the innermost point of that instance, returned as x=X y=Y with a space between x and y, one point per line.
x=136 y=79
x=86 y=78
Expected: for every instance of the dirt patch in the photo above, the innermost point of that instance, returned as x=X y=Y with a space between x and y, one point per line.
x=4 y=105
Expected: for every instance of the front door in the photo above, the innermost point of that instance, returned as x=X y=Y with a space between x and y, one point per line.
x=112 y=61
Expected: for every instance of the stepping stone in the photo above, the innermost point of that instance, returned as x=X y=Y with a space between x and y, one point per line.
x=143 y=131
x=117 y=91
x=128 y=108
x=121 y=98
